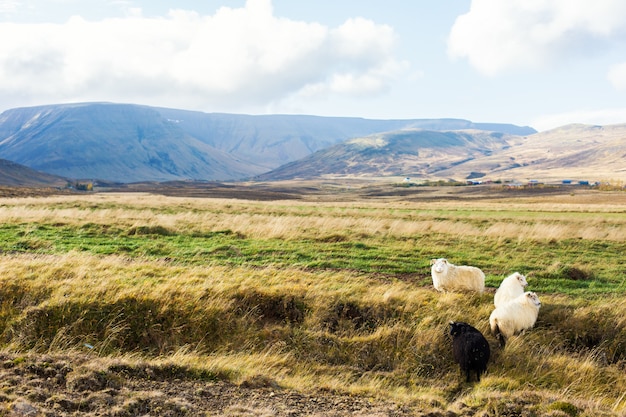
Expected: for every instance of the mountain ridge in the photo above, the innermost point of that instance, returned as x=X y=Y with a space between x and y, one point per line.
x=585 y=152
x=132 y=143
x=406 y=153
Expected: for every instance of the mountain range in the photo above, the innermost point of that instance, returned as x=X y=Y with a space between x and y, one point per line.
x=133 y=143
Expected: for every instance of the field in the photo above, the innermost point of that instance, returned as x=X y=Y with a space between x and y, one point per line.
x=306 y=299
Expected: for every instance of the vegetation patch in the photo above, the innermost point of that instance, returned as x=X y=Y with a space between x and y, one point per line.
x=571 y=272
x=570 y=409
x=128 y=324
x=279 y=308
x=149 y=230
x=333 y=297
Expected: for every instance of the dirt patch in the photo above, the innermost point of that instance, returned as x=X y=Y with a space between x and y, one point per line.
x=49 y=385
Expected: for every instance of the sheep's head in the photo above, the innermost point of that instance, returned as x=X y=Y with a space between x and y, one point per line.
x=458 y=327
x=439 y=265
x=521 y=279
x=533 y=298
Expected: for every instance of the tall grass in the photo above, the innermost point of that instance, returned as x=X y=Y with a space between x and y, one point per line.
x=321 y=295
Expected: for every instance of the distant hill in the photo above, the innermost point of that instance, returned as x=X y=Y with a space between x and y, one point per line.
x=17 y=175
x=407 y=153
x=132 y=143
x=574 y=151
x=580 y=152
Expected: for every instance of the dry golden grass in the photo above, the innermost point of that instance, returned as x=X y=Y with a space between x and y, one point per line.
x=307 y=329
x=404 y=355
x=584 y=219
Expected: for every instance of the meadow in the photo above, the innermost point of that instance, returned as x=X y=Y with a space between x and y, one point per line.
x=327 y=293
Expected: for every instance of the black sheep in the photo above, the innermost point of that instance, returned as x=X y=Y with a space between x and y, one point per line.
x=470 y=348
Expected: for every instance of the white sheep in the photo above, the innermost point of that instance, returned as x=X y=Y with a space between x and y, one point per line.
x=515 y=316
x=510 y=288
x=449 y=277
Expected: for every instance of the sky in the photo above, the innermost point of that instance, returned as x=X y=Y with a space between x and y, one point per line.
x=539 y=63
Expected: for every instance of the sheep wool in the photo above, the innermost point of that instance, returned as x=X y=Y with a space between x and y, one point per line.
x=470 y=349
x=515 y=316
x=510 y=288
x=449 y=277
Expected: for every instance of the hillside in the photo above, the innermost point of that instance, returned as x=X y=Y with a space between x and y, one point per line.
x=113 y=142
x=578 y=152
x=131 y=143
x=13 y=174
x=411 y=152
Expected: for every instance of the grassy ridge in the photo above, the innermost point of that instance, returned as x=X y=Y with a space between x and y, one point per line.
x=336 y=296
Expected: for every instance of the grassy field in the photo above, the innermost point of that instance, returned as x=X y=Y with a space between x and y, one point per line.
x=326 y=292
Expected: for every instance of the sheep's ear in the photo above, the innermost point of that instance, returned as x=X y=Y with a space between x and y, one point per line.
x=432 y=261
x=451 y=322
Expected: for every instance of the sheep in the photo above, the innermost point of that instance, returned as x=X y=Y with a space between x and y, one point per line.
x=511 y=287
x=515 y=316
x=470 y=349
x=449 y=277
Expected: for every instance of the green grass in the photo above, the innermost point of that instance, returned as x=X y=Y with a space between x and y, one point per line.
x=549 y=264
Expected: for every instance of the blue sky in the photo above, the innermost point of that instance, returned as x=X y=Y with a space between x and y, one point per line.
x=542 y=63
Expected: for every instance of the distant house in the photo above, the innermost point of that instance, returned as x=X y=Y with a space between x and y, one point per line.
x=583 y=182
x=567 y=181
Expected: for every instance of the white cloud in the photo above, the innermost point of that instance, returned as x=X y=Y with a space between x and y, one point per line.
x=500 y=35
x=591 y=117
x=185 y=59
x=8 y=6
x=617 y=76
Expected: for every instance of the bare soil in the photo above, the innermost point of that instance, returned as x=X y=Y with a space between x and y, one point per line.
x=79 y=385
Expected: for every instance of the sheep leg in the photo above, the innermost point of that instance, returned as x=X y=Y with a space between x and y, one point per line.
x=499 y=336
x=501 y=339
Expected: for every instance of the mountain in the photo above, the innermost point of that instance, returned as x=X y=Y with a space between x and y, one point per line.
x=13 y=174
x=122 y=143
x=409 y=152
x=132 y=143
x=573 y=151
x=570 y=152
x=274 y=140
